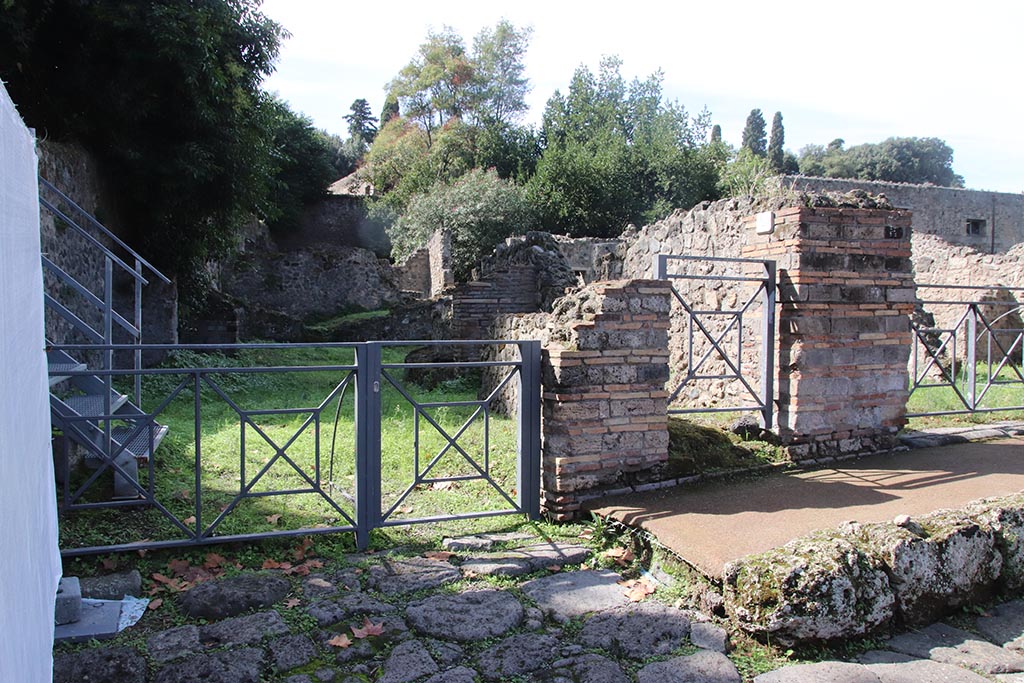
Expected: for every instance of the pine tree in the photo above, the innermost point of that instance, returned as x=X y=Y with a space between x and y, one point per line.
x=361 y=123
x=754 y=137
x=716 y=134
x=776 y=155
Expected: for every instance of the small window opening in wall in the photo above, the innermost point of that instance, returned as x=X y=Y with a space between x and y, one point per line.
x=975 y=226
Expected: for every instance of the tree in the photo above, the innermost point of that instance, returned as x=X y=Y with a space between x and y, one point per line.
x=390 y=109
x=303 y=165
x=754 y=135
x=361 y=122
x=616 y=153
x=904 y=160
x=167 y=96
x=776 y=154
x=500 y=86
x=479 y=209
x=716 y=133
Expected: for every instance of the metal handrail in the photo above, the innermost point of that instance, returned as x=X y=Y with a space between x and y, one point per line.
x=103 y=229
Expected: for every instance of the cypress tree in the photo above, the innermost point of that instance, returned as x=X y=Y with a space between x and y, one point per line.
x=776 y=155
x=716 y=134
x=754 y=137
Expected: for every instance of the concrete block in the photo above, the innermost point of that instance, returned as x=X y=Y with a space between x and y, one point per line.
x=99 y=621
x=68 y=606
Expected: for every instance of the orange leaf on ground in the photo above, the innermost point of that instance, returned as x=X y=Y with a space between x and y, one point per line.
x=110 y=564
x=340 y=640
x=442 y=555
x=160 y=578
x=443 y=485
x=621 y=556
x=302 y=549
x=638 y=590
x=213 y=561
x=189 y=520
x=553 y=568
x=314 y=564
x=272 y=564
x=369 y=629
x=292 y=602
x=320 y=583
x=273 y=518
x=155 y=604
x=179 y=567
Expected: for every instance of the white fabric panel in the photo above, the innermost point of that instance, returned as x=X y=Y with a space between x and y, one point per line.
x=29 y=558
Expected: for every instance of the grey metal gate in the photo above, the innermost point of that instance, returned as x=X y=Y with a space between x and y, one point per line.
x=970 y=360
x=301 y=450
x=707 y=355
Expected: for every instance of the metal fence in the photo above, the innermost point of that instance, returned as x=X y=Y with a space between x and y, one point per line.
x=360 y=444
x=970 y=360
x=720 y=343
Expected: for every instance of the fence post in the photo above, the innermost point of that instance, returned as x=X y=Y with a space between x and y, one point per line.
x=528 y=463
x=367 y=441
x=971 y=356
x=768 y=347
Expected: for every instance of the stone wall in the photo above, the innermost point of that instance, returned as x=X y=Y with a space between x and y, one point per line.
x=604 y=424
x=339 y=220
x=862 y=579
x=74 y=172
x=846 y=294
x=941 y=211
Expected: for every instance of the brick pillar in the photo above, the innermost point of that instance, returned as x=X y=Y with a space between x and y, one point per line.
x=846 y=294
x=605 y=424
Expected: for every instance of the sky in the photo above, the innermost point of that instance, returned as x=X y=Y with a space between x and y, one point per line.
x=859 y=71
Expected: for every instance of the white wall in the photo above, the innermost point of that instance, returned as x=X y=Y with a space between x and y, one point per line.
x=29 y=559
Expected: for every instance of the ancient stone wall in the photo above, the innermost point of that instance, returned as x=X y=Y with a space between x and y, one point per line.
x=943 y=211
x=604 y=366
x=74 y=172
x=846 y=294
x=339 y=220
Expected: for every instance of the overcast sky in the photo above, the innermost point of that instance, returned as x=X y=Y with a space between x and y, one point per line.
x=861 y=71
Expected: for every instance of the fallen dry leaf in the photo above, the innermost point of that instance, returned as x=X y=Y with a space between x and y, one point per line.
x=273 y=518
x=369 y=629
x=314 y=564
x=214 y=561
x=620 y=556
x=178 y=567
x=553 y=568
x=587 y=534
x=110 y=564
x=340 y=640
x=443 y=485
x=155 y=604
x=442 y=555
x=292 y=602
x=637 y=590
x=320 y=583
x=189 y=520
x=302 y=549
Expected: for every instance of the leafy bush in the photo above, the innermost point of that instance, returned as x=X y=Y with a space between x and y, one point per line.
x=479 y=209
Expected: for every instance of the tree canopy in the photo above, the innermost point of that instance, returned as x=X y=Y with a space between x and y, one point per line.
x=617 y=153
x=897 y=159
x=168 y=96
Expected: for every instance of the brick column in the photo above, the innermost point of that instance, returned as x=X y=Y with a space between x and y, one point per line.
x=846 y=294
x=605 y=424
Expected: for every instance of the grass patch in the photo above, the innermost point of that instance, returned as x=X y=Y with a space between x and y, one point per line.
x=275 y=429
x=701 y=449
x=1007 y=390
x=331 y=324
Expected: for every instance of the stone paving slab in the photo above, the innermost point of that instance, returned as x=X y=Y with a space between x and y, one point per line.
x=1004 y=625
x=923 y=671
x=820 y=672
x=573 y=594
x=949 y=645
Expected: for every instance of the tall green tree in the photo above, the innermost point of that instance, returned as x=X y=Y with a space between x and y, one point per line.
x=362 y=123
x=167 y=95
x=616 y=153
x=716 y=133
x=776 y=143
x=500 y=86
x=754 y=137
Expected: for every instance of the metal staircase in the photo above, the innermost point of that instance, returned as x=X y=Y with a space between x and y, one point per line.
x=109 y=426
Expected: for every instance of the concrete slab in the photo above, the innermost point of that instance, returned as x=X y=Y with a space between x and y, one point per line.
x=711 y=524
x=98 y=621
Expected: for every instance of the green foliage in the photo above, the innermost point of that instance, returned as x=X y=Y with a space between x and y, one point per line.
x=361 y=122
x=304 y=165
x=901 y=160
x=776 y=154
x=617 y=153
x=754 y=137
x=167 y=94
x=479 y=209
x=716 y=133
x=747 y=175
